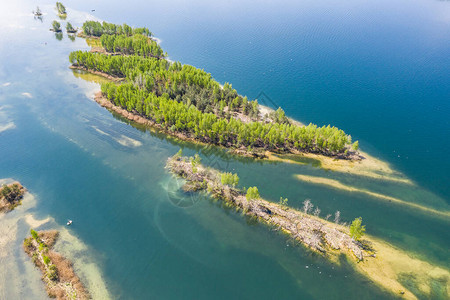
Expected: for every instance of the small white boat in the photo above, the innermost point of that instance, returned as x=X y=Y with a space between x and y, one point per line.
x=69 y=222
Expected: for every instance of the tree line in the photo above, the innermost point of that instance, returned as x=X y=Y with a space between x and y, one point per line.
x=136 y=44
x=184 y=83
x=94 y=28
x=208 y=127
x=188 y=100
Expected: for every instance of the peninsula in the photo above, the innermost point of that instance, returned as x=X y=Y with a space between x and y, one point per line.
x=188 y=103
x=57 y=272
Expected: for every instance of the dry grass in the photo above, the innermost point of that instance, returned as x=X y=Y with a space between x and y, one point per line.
x=67 y=285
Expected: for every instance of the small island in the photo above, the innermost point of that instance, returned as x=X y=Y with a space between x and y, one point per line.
x=56 y=26
x=37 y=12
x=70 y=28
x=61 y=10
x=305 y=227
x=57 y=272
x=186 y=102
x=10 y=196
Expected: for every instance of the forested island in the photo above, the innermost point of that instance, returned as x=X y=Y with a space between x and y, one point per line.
x=10 y=196
x=57 y=272
x=187 y=102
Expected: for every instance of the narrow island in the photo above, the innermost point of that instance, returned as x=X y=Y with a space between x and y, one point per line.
x=319 y=235
x=186 y=102
x=372 y=257
x=11 y=196
x=57 y=272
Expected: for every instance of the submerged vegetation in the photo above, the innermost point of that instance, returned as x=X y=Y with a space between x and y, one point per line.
x=57 y=272
x=188 y=102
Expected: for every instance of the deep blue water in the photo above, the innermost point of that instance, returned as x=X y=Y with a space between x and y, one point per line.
x=380 y=71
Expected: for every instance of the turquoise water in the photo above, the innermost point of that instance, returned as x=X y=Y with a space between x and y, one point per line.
x=378 y=71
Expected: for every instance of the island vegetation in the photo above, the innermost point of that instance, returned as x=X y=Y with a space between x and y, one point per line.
x=37 y=12
x=61 y=9
x=57 y=272
x=379 y=261
x=10 y=196
x=187 y=102
x=70 y=28
x=56 y=26
x=304 y=226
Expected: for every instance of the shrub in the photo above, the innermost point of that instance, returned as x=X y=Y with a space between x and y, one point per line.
x=46 y=259
x=252 y=193
x=52 y=273
x=34 y=234
x=356 y=229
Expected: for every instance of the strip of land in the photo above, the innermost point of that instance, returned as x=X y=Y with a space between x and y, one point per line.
x=319 y=235
x=57 y=272
x=190 y=104
x=379 y=261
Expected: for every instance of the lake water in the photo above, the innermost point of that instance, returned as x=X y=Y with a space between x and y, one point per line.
x=379 y=70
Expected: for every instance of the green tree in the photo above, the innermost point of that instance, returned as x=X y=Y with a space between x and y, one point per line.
x=252 y=193
x=229 y=179
x=60 y=8
x=6 y=191
x=46 y=259
x=56 y=26
x=356 y=229
x=34 y=234
x=70 y=28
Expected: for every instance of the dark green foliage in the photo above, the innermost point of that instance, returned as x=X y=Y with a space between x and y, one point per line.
x=11 y=193
x=6 y=190
x=52 y=273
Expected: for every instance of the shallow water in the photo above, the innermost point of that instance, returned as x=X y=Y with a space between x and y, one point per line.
x=322 y=64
